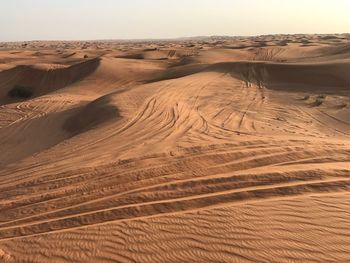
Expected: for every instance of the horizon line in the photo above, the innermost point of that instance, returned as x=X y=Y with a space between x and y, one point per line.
x=168 y=38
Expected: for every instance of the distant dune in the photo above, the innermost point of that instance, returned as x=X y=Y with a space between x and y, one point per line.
x=207 y=149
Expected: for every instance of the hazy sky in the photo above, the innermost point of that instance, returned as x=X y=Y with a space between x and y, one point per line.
x=120 y=19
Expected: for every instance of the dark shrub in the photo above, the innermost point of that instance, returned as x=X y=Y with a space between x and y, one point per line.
x=20 y=92
x=318 y=102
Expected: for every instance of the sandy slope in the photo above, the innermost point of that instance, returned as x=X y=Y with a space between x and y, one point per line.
x=233 y=150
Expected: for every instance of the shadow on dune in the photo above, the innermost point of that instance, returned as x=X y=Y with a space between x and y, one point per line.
x=289 y=77
x=31 y=136
x=42 y=81
x=179 y=72
x=131 y=56
x=315 y=77
x=91 y=115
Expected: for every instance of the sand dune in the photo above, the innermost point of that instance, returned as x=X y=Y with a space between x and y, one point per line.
x=44 y=79
x=233 y=150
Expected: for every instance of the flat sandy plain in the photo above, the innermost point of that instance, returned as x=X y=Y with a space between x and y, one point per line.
x=191 y=150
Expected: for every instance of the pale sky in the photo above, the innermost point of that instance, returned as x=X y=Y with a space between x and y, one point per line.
x=136 y=19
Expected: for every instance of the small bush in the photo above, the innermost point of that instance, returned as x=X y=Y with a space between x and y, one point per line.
x=20 y=92
x=318 y=102
x=86 y=56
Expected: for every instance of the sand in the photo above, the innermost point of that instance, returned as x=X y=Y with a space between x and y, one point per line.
x=190 y=150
